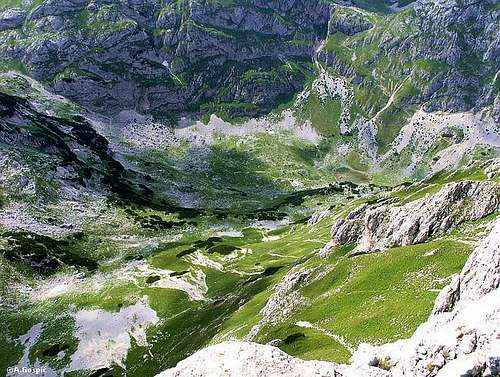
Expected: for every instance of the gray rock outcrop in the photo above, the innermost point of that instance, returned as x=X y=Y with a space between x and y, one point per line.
x=389 y=224
x=284 y=301
x=12 y=18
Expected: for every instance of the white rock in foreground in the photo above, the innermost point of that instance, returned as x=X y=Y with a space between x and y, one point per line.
x=249 y=360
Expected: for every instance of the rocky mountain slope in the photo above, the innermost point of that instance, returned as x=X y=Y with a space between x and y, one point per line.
x=249 y=56
x=373 y=80
x=384 y=225
x=305 y=175
x=168 y=57
x=460 y=338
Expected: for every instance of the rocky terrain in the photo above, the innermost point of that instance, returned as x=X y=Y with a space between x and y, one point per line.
x=389 y=224
x=248 y=187
x=189 y=52
x=460 y=338
x=243 y=59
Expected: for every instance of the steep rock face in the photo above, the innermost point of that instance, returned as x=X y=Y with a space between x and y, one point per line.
x=479 y=277
x=11 y=18
x=73 y=154
x=174 y=56
x=385 y=225
x=97 y=53
x=468 y=32
x=461 y=337
x=439 y=44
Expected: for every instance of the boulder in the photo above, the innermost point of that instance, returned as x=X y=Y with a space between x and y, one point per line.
x=12 y=18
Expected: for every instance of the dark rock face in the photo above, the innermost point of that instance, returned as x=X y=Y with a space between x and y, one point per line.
x=456 y=41
x=242 y=57
x=465 y=36
x=348 y=23
x=83 y=155
x=175 y=57
x=12 y=18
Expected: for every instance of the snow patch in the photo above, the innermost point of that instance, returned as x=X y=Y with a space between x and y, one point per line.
x=105 y=338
